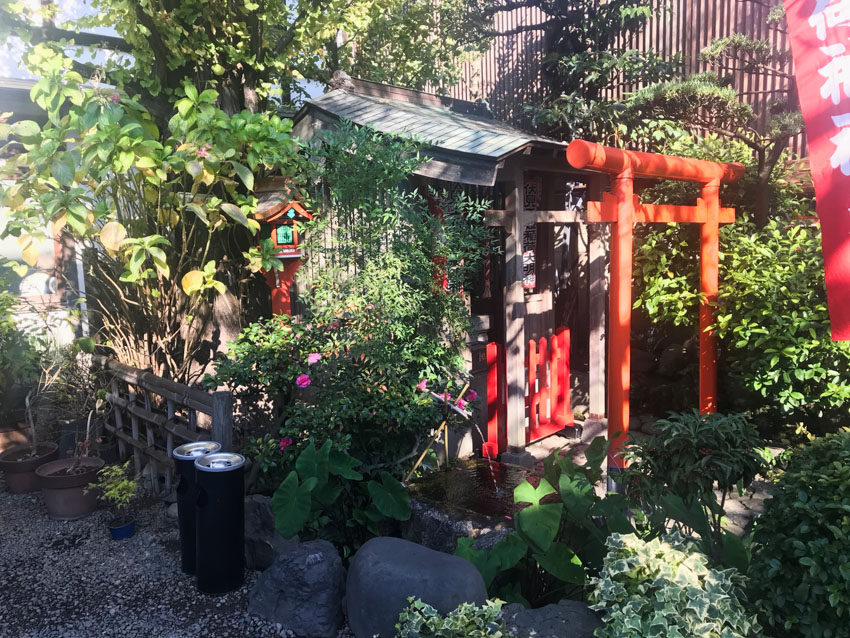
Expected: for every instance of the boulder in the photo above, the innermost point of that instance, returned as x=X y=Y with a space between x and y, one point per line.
x=302 y=590
x=386 y=571
x=263 y=544
x=564 y=619
x=439 y=526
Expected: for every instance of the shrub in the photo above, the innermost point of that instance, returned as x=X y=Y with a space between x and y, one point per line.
x=664 y=587
x=673 y=474
x=802 y=543
x=467 y=621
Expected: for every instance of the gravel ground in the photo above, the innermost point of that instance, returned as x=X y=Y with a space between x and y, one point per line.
x=71 y=580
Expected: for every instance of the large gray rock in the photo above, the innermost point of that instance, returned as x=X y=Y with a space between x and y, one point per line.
x=385 y=572
x=263 y=544
x=438 y=526
x=302 y=591
x=564 y=619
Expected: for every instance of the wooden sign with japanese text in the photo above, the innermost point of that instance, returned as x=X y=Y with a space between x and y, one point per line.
x=820 y=43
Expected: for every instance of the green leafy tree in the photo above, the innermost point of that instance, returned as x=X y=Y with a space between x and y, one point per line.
x=251 y=52
x=586 y=64
x=149 y=205
x=707 y=102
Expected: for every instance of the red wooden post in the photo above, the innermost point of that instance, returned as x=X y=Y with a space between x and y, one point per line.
x=280 y=281
x=531 y=400
x=494 y=401
x=561 y=371
x=709 y=242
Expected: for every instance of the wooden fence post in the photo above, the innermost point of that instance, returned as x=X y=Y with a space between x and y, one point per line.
x=222 y=420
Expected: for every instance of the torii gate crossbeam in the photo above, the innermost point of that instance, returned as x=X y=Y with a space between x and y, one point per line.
x=622 y=209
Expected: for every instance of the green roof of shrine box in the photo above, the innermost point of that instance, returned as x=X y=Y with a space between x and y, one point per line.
x=463 y=142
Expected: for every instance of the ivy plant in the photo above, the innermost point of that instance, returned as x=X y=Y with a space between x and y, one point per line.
x=665 y=587
x=467 y=621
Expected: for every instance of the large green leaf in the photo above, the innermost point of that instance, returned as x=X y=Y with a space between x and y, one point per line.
x=560 y=561
x=245 y=175
x=693 y=516
x=502 y=556
x=525 y=492
x=734 y=552
x=291 y=506
x=26 y=128
x=578 y=496
x=538 y=525
x=390 y=497
x=344 y=465
x=313 y=462
x=63 y=170
x=236 y=214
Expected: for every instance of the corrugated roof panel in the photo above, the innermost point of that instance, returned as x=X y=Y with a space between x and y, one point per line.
x=440 y=126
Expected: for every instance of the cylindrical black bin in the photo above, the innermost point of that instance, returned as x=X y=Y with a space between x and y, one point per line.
x=187 y=497
x=220 y=522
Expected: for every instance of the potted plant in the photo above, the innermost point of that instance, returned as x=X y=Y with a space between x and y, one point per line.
x=117 y=488
x=63 y=483
x=19 y=463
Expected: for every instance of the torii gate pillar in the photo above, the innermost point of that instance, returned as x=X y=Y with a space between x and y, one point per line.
x=622 y=210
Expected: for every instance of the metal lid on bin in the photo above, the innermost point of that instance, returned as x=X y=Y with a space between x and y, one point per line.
x=220 y=462
x=190 y=451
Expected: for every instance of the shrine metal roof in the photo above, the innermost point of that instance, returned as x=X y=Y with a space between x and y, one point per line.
x=462 y=143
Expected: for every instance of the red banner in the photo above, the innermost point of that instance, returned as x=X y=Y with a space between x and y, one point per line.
x=820 y=43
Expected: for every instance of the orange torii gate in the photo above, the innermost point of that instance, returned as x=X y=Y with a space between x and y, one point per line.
x=622 y=209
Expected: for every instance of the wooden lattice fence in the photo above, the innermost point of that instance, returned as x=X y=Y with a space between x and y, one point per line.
x=150 y=416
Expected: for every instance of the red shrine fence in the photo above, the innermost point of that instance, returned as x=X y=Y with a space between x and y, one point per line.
x=547 y=392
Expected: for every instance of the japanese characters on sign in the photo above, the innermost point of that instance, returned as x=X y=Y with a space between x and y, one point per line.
x=529 y=266
x=819 y=31
x=531 y=192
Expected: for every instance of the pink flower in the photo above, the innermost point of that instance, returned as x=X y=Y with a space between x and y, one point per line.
x=422 y=386
x=116 y=98
x=472 y=395
x=461 y=404
x=313 y=357
x=201 y=152
x=285 y=442
x=335 y=325
x=445 y=396
x=303 y=380
x=297 y=335
x=309 y=326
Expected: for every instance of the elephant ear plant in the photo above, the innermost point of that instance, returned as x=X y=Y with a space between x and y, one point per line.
x=560 y=533
x=325 y=496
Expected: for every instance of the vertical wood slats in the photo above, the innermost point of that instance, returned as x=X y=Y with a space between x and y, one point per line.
x=547 y=396
x=510 y=73
x=150 y=412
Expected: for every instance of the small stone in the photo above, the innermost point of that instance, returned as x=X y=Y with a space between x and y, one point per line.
x=172 y=511
x=386 y=571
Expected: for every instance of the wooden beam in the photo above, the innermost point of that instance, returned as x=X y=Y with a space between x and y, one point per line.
x=598 y=285
x=515 y=320
x=606 y=211
x=498 y=217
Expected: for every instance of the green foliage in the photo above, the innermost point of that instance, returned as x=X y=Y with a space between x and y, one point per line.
x=374 y=312
x=116 y=487
x=154 y=209
x=586 y=60
x=20 y=354
x=325 y=496
x=664 y=587
x=560 y=534
x=673 y=475
x=420 y=619
x=774 y=324
x=801 y=561
x=255 y=53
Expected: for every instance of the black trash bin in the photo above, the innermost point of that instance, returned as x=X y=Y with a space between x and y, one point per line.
x=220 y=522
x=187 y=496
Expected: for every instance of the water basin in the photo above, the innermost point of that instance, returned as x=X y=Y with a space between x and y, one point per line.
x=474 y=485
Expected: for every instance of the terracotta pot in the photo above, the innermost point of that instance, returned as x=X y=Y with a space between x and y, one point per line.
x=65 y=494
x=20 y=474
